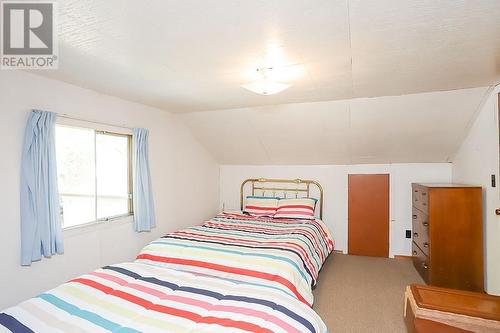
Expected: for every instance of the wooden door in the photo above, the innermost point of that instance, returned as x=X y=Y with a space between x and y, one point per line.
x=368 y=215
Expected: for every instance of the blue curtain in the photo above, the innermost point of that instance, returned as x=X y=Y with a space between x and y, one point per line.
x=144 y=210
x=41 y=233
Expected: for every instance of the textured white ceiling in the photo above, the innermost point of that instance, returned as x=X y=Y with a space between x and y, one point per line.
x=193 y=55
x=424 y=127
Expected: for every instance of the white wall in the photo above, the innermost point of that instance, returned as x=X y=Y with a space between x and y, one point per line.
x=333 y=178
x=185 y=182
x=474 y=163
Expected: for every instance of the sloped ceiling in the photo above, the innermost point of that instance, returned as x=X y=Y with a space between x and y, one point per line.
x=425 y=127
x=192 y=55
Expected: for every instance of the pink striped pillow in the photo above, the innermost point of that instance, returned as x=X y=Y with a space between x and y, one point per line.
x=261 y=206
x=296 y=208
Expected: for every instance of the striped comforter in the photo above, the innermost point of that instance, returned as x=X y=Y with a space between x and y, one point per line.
x=278 y=254
x=228 y=293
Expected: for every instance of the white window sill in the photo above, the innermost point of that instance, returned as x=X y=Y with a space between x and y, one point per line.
x=97 y=225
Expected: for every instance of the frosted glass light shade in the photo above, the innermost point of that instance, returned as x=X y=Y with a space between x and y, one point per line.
x=266 y=87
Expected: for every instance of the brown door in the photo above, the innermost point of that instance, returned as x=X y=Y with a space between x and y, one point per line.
x=368 y=222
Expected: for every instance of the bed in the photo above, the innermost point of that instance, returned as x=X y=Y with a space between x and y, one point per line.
x=232 y=273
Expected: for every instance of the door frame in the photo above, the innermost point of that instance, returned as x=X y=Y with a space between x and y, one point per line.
x=383 y=170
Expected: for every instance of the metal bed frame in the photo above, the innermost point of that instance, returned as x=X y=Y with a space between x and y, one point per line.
x=277 y=186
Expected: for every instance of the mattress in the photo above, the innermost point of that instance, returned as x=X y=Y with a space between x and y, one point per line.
x=233 y=273
x=280 y=254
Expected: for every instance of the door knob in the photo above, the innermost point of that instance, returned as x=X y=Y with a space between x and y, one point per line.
x=497 y=211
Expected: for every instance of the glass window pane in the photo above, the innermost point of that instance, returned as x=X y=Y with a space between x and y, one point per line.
x=75 y=151
x=77 y=209
x=112 y=156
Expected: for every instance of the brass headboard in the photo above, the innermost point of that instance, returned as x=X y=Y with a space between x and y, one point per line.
x=299 y=185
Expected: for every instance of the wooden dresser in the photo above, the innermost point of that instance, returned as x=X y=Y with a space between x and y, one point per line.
x=447 y=237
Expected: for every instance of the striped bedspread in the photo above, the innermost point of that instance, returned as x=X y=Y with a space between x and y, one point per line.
x=275 y=254
x=234 y=273
x=136 y=297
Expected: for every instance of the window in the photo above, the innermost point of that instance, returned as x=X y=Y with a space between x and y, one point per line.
x=94 y=174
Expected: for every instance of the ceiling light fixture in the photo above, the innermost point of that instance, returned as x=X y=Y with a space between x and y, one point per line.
x=264 y=85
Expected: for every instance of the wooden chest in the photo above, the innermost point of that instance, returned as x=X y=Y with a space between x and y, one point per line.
x=433 y=309
x=447 y=237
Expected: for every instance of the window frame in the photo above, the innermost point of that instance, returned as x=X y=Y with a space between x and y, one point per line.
x=104 y=129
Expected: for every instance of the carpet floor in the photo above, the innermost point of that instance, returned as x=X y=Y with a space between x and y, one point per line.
x=363 y=294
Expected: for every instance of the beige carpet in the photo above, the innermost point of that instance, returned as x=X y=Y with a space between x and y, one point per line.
x=363 y=294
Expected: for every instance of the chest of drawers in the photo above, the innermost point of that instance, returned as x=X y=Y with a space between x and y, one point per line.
x=447 y=244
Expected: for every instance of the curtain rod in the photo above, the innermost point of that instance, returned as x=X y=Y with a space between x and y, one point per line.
x=64 y=115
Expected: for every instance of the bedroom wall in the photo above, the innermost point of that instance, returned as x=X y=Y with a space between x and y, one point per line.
x=333 y=178
x=185 y=182
x=475 y=162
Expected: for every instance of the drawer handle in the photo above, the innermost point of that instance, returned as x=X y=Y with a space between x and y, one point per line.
x=423 y=203
x=425 y=224
x=414 y=253
x=426 y=244
x=415 y=234
x=423 y=193
x=425 y=266
x=414 y=216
